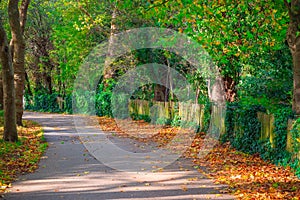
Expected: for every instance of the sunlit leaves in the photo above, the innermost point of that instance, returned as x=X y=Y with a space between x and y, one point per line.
x=232 y=32
x=248 y=176
x=73 y=37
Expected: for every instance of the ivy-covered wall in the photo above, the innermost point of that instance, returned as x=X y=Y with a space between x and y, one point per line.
x=273 y=134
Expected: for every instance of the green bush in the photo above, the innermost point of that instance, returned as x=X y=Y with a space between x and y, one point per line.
x=44 y=102
x=176 y=121
x=135 y=116
x=163 y=121
x=268 y=87
x=103 y=98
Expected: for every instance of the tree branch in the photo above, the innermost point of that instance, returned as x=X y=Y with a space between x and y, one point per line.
x=288 y=7
x=14 y=20
x=97 y=27
x=23 y=14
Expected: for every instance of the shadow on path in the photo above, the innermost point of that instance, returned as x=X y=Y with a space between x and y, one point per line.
x=68 y=171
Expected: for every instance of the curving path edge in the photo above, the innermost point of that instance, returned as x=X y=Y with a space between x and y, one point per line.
x=68 y=171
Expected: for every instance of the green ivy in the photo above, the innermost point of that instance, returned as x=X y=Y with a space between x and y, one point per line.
x=296 y=135
x=243 y=133
x=295 y=163
x=176 y=121
x=135 y=116
x=206 y=113
x=281 y=115
x=103 y=98
x=243 y=127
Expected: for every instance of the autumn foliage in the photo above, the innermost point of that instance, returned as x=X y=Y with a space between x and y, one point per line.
x=247 y=176
x=23 y=156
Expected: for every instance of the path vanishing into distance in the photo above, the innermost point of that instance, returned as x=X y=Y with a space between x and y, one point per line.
x=68 y=171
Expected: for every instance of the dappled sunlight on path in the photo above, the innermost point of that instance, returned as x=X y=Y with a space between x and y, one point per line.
x=68 y=171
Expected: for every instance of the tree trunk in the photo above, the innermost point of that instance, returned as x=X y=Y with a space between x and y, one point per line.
x=23 y=14
x=169 y=90
x=296 y=77
x=10 y=129
x=36 y=74
x=28 y=85
x=17 y=24
x=48 y=67
x=294 y=45
x=161 y=93
x=1 y=91
x=108 y=71
x=230 y=90
x=216 y=91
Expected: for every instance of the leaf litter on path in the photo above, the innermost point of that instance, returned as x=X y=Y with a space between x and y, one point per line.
x=248 y=176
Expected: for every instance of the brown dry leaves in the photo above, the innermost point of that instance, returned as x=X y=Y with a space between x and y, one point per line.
x=138 y=130
x=21 y=157
x=248 y=176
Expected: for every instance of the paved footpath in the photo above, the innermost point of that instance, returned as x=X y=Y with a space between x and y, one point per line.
x=68 y=171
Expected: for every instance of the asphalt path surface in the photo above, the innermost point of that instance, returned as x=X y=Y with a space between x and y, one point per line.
x=68 y=171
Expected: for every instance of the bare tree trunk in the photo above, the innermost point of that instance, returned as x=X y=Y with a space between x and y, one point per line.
x=294 y=44
x=10 y=129
x=17 y=20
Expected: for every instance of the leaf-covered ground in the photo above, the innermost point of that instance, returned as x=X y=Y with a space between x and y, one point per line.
x=248 y=176
x=21 y=157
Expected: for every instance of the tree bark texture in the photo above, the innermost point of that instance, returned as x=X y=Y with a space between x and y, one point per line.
x=10 y=129
x=1 y=92
x=108 y=71
x=294 y=45
x=17 y=20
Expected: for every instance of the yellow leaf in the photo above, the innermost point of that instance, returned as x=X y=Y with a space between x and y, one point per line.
x=184 y=188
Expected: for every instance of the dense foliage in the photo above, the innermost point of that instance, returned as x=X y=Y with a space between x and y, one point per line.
x=246 y=40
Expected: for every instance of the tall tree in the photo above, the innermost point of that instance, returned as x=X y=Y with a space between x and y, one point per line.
x=108 y=69
x=234 y=34
x=39 y=45
x=10 y=129
x=293 y=40
x=17 y=20
x=73 y=37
